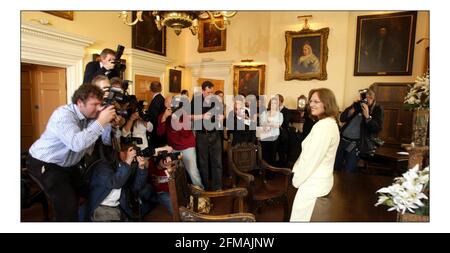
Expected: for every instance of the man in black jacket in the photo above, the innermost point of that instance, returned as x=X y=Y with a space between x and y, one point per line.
x=363 y=120
x=155 y=108
x=103 y=67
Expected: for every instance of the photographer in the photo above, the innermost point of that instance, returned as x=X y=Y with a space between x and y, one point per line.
x=109 y=191
x=363 y=120
x=70 y=131
x=207 y=117
x=104 y=67
x=180 y=136
x=159 y=176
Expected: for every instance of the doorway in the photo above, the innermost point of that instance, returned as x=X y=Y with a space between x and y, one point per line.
x=43 y=89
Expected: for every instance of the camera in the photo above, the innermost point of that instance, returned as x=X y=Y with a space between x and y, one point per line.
x=119 y=67
x=362 y=100
x=363 y=96
x=137 y=106
x=134 y=141
x=115 y=96
x=177 y=103
x=162 y=155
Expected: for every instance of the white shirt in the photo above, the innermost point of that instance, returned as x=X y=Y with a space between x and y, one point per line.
x=140 y=128
x=275 y=119
x=113 y=198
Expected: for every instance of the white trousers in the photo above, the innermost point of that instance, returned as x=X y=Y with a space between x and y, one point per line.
x=302 y=208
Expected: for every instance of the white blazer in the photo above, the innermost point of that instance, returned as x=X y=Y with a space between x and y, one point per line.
x=313 y=170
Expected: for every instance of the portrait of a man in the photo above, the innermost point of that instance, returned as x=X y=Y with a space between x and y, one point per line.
x=211 y=39
x=249 y=80
x=174 y=80
x=385 y=44
x=147 y=37
x=248 y=83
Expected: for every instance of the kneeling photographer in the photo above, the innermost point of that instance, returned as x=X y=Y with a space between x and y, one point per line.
x=363 y=120
x=110 y=185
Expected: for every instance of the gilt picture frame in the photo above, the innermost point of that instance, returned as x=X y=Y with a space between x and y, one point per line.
x=385 y=44
x=175 y=80
x=146 y=36
x=306 y=54
x=249 y=80
x=62 y=14
x=211 y=39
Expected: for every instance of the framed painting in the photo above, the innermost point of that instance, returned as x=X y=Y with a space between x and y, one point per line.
x=306 y=54
x=62 y=14
x=211 y=39
x=249 y=80
x=147 y=37
x=174 y=80
x=218 y=84
x=385 y=44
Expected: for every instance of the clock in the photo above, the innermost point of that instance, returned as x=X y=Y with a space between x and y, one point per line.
x=301 y=103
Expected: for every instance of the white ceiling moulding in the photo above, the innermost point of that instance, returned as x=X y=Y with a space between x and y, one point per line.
x=145 y=63
x=44 y=45
x=221 y=70
x=211 y=69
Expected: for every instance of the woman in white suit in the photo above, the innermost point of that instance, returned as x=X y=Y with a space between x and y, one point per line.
x=313 y=171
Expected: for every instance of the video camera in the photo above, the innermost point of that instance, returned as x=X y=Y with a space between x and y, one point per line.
x=119 y=67
x=115 y=95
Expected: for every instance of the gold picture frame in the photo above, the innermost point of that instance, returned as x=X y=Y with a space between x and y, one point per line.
x=211 y=39
x=385 y=44
x=62 y=14
x=249 y=80
x=306 y=54
x=146 y=36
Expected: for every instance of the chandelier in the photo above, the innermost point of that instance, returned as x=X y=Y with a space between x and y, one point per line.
x=183 y=19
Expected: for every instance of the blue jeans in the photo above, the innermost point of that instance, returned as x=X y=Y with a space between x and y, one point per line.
x=346 y=157
x=164 y=199
x=190 y=163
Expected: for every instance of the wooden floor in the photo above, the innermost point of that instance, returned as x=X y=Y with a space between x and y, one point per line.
x=352 y=199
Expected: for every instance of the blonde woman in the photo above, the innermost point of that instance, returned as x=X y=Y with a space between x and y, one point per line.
x=308 y=62
x=313 y=171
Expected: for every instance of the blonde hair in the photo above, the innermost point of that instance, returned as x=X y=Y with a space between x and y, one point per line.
x=328 y=99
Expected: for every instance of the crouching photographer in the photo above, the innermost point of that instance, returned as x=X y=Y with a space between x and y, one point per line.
x=159 y=176
x=111 y=184
x=363 y=120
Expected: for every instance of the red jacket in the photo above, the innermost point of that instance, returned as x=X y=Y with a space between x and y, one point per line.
x=178 y=140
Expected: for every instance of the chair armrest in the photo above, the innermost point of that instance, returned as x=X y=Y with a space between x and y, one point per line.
x=246 y=176
x=284 y=171
x=234 y=192
x=188 y=215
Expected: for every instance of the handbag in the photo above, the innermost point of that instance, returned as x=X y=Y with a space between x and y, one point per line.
x=368 y=147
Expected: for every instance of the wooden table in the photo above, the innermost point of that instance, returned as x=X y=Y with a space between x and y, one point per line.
x=388 y=157
x=353 y=198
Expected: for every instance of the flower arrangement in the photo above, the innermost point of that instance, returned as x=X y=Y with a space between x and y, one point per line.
x=407 y=192
x=419 y=94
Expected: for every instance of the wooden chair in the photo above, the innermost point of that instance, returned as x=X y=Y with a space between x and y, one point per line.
x=246 y=162
x=181 y=191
